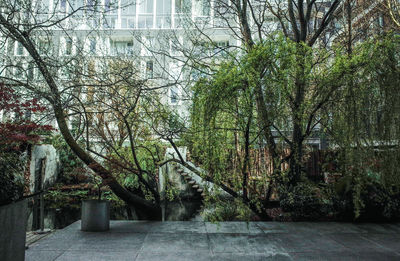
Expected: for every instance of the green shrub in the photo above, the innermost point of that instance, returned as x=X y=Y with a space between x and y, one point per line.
x=380 y=203
x=227 y=210
x=11 y=177
x=306 y=201
x=375 y=201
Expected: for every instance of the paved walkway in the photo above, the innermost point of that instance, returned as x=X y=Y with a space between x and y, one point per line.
x=198 y=241
x=32 y=237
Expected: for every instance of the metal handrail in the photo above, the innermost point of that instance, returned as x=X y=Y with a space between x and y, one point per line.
x=41 y=203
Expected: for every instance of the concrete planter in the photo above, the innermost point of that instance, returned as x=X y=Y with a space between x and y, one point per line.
x=95 y=215
x=13 y=231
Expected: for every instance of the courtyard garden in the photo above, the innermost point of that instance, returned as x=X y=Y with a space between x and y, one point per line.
x=283 y=116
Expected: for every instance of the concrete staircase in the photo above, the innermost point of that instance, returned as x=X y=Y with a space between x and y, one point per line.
x=190 y=180
x=187 y=181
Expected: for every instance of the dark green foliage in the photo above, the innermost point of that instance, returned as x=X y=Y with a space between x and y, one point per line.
x=364 y=124
x=381 y=203
x=71 y=165
x=353 y=98
x=227 y=210
x=307 y=201
x=11 y=179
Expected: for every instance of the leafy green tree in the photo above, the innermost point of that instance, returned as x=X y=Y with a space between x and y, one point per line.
x=364 y=124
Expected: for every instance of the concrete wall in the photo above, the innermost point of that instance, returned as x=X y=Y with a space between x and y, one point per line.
x=49 y=153
x=12 y=231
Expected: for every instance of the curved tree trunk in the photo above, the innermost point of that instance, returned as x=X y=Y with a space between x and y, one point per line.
x=145 y=209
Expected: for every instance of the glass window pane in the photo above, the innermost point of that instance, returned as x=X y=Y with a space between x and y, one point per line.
x=149 y=6
x=149 y=22
x=160 y=7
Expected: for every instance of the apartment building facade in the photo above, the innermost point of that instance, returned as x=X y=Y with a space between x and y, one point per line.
x=162 y=39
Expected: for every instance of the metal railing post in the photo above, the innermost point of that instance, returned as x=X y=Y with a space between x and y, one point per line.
x=41 y=213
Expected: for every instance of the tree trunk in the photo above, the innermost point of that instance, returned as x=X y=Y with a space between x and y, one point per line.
x=144 y=208
x=147 y=209
x=295 y=161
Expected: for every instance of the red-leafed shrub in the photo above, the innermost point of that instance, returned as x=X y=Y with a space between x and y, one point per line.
x=17 y=131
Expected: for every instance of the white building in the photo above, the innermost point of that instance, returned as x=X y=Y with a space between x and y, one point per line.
x=159 y=37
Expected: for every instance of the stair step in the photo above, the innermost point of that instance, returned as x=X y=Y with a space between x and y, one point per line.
x=180 y=170
x=195 y=186
x=200 y=190
x=187 y=178
x=192 y=182
x=203 y=194
x=184 y=174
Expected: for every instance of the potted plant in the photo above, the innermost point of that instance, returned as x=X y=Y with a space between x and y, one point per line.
x=95 y=212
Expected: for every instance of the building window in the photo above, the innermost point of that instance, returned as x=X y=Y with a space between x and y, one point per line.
x=109 y=22
x=146 y=12
x=146 y=7
x=183 y=6
x=19 y=49
x=163 y=18
x=91 y=5
x=202 y=7
x=68 y=47
x=149 y=69
x=145 y=21
x=18 y=71
x=129 y=48
x=31 y=71
x=128 y=14
x=92 y=46
x=63 y=6
x=220 y=46
x=173 y=95
x=107 y=5
x=43 y=47
x=121 y=47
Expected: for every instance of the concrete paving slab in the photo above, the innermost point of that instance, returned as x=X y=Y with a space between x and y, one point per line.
x=271 y=227
x=300 y=227
x=386 y=241
x=203 y=241
x=74 y=226
x=321 y=227
x=97 y=256
x=307 y=242
x=356 y=243
x=168 y=242
x=230 y=243
x=179 y=227
x=175 y=256
x=381 y=228
x=53 y=243
x=266 y=245
x=374 y=256
x=233 y=227
x=109 y=241
x=250 y=257
x=333 y=227
x=343 y=256
x=128 y=226
x=324 y=256
x=42 y=255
